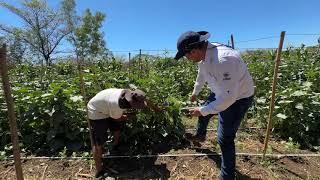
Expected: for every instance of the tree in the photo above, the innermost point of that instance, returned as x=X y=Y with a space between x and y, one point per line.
x=43 y=27
x=89 y=40
x=71 y=18
x=17 y=50
x=85 y=33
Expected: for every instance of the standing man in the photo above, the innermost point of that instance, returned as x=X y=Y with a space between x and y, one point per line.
x=232 y=89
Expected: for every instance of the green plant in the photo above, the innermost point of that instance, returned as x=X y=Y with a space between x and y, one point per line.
x=51 y=111
x=292 y=146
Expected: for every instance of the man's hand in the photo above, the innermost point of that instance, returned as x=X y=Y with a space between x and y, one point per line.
x=123 y=118
x=193 y=98
x=126 y=117
x=195 y=112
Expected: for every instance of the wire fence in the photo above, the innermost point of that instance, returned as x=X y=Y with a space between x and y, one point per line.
x=127 y=55
x=169 y=155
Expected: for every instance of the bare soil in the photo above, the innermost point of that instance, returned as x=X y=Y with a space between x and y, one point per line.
x=190 y=167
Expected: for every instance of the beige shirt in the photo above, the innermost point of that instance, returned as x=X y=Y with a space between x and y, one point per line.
x=105 y=104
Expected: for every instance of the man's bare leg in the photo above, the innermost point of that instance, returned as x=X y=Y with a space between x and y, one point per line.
x=97 y=156
x=116 y=135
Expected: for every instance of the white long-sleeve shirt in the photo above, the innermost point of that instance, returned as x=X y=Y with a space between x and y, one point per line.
x=226 y=75
x=105 y=104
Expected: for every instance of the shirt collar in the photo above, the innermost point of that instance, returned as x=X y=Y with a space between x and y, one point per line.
x=208 y=53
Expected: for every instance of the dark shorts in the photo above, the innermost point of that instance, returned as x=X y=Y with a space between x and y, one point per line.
x=99 y=129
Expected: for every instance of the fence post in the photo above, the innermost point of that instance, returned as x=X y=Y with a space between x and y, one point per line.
x=129 y=62
x=129 y=57
x=232 y=42
x=11 y=113
x=140 y=61
x=274 y=84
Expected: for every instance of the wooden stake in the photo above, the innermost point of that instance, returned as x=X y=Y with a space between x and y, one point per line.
x=274 y=84
x=83 y=94
x=232 y=42
x=11 y=113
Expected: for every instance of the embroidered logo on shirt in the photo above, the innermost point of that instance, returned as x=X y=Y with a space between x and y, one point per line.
x=226 y=76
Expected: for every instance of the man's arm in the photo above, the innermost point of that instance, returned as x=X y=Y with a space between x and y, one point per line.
x=228 y=78
x=200 y=81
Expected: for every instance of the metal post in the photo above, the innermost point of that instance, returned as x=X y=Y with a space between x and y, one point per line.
x=129 y=63
x=232 y=42
x=140 y=60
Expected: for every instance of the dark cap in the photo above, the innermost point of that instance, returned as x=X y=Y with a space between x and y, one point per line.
x=136 y=98
x=188 y=39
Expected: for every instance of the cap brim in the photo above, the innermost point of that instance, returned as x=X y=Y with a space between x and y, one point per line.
x=136 y=103
x=179 y=55
x=128 y=95
x=139 y=105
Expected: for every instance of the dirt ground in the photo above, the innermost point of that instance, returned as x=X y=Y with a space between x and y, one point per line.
x=190 y=167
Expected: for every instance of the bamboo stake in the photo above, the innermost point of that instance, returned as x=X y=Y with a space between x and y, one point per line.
x=83 y=94
x=274 y=84
x=11 y=113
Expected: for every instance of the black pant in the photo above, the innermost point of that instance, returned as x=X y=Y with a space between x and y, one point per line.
x=99 y=129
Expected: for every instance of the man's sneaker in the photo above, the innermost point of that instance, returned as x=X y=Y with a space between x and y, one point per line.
x=196 y=138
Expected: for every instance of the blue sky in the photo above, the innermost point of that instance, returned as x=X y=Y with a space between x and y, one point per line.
x=146 y=24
